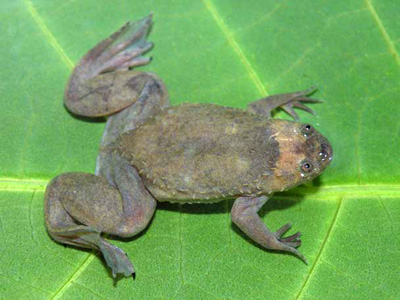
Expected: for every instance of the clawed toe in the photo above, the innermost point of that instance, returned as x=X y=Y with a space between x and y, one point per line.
x=132 y=33
x=282 y=230
x=291 y=238
x=297 y=253
x=289 y=243
x=129 y=58
x=292 y=244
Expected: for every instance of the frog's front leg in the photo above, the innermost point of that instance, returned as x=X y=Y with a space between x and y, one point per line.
x=244 y=215
x=81 y=206
x=287 y=102
x=102 y=83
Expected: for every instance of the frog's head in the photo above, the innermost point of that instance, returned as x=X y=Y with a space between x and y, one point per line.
x=303 y=154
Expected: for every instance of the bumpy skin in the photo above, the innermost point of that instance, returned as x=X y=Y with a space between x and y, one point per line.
x=185 y=153
x=191 y=153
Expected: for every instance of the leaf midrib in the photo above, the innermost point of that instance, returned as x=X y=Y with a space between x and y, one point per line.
x=326 y=192
x=386 y=37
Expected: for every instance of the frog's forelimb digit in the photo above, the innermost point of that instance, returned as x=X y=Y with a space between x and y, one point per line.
x=266 y=105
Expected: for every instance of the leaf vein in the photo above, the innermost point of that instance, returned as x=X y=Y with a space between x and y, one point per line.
x=326 y=191
x=317 y=258
x=357 y=148
x=74 y=275
x=336 y=269
x=295 y=64
x=22 y=282
x=235 y=46
x=3 y=239
x=264 y=18
x=16 y=184
x=27 y=135
x=385 y=34
x=387 y=213
x=89 y=290
x=199 y=287
x=30 y=218
x=47 y=34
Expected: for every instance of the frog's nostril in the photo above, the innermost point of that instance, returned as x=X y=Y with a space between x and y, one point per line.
x=326 y=152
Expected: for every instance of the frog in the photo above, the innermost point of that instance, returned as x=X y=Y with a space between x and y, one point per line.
x=152 y=152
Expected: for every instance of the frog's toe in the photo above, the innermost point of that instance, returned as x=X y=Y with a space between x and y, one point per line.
x=282 y=230
x=288 y=244
x=127 y=47
x=292 y=244
x=295 y=252
x=128 y=58
x=291 y=238
x=131 y=34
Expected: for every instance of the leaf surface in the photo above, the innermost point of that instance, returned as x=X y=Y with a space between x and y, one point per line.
x=230 y=53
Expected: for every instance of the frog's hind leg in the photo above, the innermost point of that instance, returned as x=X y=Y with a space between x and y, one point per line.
x=81 y=206
x=102 y=83
x=66 y=230
x=287 y=102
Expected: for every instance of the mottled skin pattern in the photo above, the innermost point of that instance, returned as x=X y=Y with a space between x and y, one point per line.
x=191 y=153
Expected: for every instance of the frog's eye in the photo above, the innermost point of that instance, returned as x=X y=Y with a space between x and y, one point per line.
x=307 y=130
x=306 y=167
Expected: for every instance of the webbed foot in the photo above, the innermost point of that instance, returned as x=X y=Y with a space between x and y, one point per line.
x=126 y=47
x=116 y=259
x=103 y=83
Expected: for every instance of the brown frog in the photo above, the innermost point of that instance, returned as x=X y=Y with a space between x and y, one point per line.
x=190 y=153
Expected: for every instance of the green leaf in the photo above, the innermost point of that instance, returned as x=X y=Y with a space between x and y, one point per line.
x=230 y=53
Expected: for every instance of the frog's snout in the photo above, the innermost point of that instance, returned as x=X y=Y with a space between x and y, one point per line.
x=325 y=153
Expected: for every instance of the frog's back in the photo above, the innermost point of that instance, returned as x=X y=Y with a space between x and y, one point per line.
x=202 y=152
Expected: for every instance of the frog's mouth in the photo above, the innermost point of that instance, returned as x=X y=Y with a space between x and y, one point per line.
x=318 y=155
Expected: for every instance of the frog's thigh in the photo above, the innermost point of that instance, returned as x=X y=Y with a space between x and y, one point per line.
x=65 y=229
x=60 y=225
x=79 y=206
x=91 y=201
